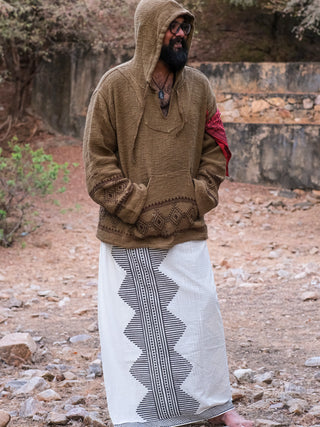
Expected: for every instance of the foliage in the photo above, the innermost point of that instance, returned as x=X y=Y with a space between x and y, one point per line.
x=24 y=174
x=306 y=11
x=36 y=30
x=195 y=6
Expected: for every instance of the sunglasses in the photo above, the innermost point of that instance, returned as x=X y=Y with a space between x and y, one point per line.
x=174 y=27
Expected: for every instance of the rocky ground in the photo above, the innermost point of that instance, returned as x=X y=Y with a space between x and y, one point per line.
x=265 y=249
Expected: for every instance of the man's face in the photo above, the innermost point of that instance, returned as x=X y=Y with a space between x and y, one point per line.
x=174 y=50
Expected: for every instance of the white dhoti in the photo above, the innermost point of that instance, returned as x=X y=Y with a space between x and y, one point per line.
x=162 y=339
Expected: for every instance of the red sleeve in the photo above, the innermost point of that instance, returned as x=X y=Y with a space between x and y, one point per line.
x=215 y=128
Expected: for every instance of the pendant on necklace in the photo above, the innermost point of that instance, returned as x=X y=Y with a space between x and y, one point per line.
x=161 y=94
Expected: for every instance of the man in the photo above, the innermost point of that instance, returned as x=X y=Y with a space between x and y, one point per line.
x=155 y=154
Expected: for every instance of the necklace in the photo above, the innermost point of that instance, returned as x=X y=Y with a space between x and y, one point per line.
x=161 y=91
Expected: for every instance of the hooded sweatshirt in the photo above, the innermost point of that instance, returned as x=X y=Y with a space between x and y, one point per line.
x=154 y=176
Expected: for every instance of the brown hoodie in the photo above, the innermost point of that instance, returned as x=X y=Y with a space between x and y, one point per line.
x=154 y=176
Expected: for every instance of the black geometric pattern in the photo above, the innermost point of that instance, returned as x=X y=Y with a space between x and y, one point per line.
x=155 y=330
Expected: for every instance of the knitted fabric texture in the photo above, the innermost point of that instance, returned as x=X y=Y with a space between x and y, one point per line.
x=154 y=177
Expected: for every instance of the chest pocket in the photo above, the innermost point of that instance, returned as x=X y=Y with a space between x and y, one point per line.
x=154 y=119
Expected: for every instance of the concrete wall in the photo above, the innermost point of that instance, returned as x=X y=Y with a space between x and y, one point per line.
x=63 y=88
x=244 y=77
x=285 y=154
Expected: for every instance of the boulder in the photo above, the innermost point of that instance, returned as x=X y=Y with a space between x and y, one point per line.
x=17 y=348
x=4 y=418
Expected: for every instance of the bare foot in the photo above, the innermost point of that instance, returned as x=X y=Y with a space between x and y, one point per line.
x=231 y=419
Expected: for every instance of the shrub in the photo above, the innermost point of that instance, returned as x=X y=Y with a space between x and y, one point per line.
x=25 y=174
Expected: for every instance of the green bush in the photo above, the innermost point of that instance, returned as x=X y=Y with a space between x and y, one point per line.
x=25 y=174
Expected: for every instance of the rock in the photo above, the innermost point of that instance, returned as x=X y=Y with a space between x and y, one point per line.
x=303 y=205
x=48 y=376
x=278 y=405
x=4 y=315
x=259 y=105
x=312 y=268
x=80 y=338
x=277 y=102
x=315 y=411
x=17 y=348
x=47 y=293
x=269 y=423
x=314 y=250
x=30 y=407
x=57 y=419
x=14 y=385
x=96 y=368
x=297 y=406
x=238 y=200
x=69 y=383
x=310 y=296
x=259 y=405
x=81 y=311
x=283 y=274
x=314 y=361
x=13 y=302
x=274 y=254
x=293 y=390
x=63 y=302
x=93 y=327
x=30 y=373
x=237 y=394
x=76 y=400
x=4 y=418
x=300 y=276
x=92 y=420
x=266 y=378
x=48 y=395
x=238 y=273
x=317 y=376
x=258 y=395
x=266 y=226
x=35 y=384
x=244 y=375
x=77 y=413
x=227 y=105
x=307 y=104
x=69 y=376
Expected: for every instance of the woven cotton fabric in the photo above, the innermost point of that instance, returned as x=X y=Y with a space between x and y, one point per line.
x=162 y=340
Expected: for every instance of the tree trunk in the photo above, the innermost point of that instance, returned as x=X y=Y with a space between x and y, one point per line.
x=22 y=68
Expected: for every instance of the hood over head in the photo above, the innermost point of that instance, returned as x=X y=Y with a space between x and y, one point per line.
x=151 y=21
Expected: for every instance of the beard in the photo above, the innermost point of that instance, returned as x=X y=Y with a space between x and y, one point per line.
x=175 y=59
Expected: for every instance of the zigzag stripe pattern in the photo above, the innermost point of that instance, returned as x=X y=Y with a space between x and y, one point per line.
x=155 y=330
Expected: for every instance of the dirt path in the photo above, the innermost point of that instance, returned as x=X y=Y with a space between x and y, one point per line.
x=264 y=245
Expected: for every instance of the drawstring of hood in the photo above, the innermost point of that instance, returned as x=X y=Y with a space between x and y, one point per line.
x=139 y=124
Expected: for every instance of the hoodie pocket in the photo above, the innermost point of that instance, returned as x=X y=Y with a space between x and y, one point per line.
x=170 y=206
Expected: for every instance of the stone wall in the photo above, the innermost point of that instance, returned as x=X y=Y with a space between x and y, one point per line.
x=271 y=112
